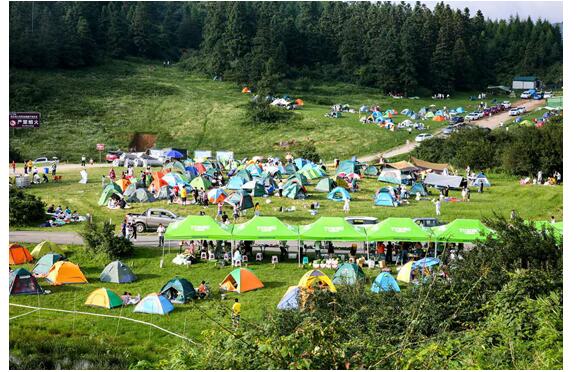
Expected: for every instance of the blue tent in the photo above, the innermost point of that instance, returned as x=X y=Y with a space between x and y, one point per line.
x=418 y=187
x=174 y=154
x=290 y=168
x=244 y=174
x=254 y=170
x=299 y=162
x=384 y=198
x=291 y=299
x=425 y=262
x=460 y=110
x=481 y=179
x=154 y=304
x=235 y=183
x=338 y=194
x=384 y=282
x=192 y=170
x=406 y=112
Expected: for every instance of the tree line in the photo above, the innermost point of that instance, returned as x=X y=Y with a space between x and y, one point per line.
x=396 y=47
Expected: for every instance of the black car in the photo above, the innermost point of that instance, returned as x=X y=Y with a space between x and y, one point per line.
x=456 y=120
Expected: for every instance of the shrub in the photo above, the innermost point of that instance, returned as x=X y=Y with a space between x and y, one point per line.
x=261 y=112
x=102 y=239
x=308 y=151
x=25 y=209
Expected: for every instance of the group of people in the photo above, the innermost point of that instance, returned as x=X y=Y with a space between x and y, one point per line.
x=129 y=229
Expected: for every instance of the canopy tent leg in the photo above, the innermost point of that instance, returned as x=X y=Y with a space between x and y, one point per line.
x=232 y=252
x=299 y=253
x=367 y=250
x=163 y=252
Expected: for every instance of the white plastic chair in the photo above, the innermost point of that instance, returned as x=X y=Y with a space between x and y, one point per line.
x=259 y=257
x=274 y=260
x=245 y=258
x=211 y=256
x=203 y=256
x=238 y=263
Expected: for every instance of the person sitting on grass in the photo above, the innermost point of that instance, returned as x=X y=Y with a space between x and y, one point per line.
x=128 y=299
x=202 y=290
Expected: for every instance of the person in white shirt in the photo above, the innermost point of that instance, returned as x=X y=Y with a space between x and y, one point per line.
x=346 y=207
x=437 y=207
x=161 y=230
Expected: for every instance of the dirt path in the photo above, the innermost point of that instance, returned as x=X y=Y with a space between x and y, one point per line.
x=493 y=121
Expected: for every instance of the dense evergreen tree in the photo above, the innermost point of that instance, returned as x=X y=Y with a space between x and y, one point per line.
x=392 y=46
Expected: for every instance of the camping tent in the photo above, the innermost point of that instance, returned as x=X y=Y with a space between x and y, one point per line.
x=461 y=231
x=313 y=277
x=333 y=229
x=254 y=188
x=107 y=192
x=178 y=290
x=154 y=304
x=291 y=299
x=117 y=272
x=240 y=198
x=241 y=280
x=384 y=198
x=397 y=229
x=440 y=180
x=384 y=282
x=140 y=196
x=198 y=227
x=338 y=194
x=65 y=272
x=45 y=263
x=18 y=255
x=371 y=170
x=303 y=180
x=404 y=274
x=105 y=298
x=123 y=183
x=244 y=175
x=235 y=183
x=348 y=273
x=201 y=183
x=45 y=247
x=312 y=171
x=393 y=176
x=216 y=196
x=254 y=170
x=325 y=185
x=23 y=282
x=481 y=179
x=418 y=187
x=341 y=182
x=293 y=190
x=264 y=228
x=349 y=166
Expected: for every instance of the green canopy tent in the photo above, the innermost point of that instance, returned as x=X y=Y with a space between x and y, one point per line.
x=397 y=230
x=461 y=231
x=556 y=228
x=198 y=227
x=333 y=229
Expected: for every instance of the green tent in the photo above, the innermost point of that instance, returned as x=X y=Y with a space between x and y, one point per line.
x=240 y=198
x=348 y=273
x=45 y=247
x=178 y=290
x=293 y=191
x=265 y=228
x=130 y=190
x=331 y=228
x=244 y=174
x=254 y=188
x=107 y=192
x=325 y=185
x=312 y=171
x=300 y=177
x=397 y=230
x=557 y=228
x=461 y=231
x=198 y=227
x=371 y=170
x=201 y=183
x=175 y=167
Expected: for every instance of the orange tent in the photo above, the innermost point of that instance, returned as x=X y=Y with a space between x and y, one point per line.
x=18 y=255
x=123 y=183
x=299 y=102
x=246 y=90
x=157 y=181
x=438 y=118
x=241 y=280
x=65 y=272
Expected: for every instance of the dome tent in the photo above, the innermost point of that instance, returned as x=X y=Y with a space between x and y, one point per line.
x=154 y=304
x=348 y=273
x=241 y=280
x=385 y=282
x=23 y=282
x=338 y=194
x=291 y=299
x=105 y=298
x=45 y=263
x=117 y=272
x=178 y=290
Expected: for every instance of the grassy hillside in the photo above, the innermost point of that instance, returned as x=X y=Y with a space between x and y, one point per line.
x=110 y=103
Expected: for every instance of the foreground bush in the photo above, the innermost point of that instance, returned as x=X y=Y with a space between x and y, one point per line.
x=25 y=209
x=102 y=239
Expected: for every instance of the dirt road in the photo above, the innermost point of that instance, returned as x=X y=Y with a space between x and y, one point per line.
x=494 y=121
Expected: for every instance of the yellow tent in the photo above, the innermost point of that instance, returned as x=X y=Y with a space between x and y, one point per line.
x=103 y=297
x=45 y=247
x=315 y=276
x=405 y=272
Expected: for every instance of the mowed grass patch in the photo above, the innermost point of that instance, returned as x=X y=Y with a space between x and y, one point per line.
x=533 y=202
x=109 y=103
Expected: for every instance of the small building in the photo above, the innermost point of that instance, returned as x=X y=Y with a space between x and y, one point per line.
x=525 y=83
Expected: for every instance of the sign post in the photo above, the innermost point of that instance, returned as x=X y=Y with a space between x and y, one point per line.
x=24 y=120
x=100 y=147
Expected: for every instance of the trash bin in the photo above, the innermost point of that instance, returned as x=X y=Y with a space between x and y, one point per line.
x=46 y=170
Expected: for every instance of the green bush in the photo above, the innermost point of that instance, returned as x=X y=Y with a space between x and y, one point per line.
x=25 y=209
x=262 y=113
x=308 y=151
x=102 y=239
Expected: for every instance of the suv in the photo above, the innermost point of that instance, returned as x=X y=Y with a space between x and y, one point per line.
x=506 y=105
x=517 y=111
x=113 y=155
x=423 y=136
x=359 y=221
x=45 y=160
x=456 y=120
x=428 y=223
x=472 y=116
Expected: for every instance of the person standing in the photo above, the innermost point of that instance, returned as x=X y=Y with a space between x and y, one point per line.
x=219 y=211
x=54 y=168
x=512 y=215
x=161 y=230
x=183 y=195
x=123 y=229
x=256 y=209
x=83 y=160
x=280 y=188
x=468 y=193
x=236 y=313
x=559 y=179
x=346 y=207
x=539 y=177
x=13 y=167
x=437 y=207
x=235 y=212
x=481 y=189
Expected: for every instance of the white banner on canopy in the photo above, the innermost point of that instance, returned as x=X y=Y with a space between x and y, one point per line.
x=225 y=155
x=202 y=154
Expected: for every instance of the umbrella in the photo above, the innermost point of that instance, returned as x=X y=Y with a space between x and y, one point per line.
x=174 y=154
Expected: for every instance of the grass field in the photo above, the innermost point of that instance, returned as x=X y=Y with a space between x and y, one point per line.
x=110 y=103
x=531 y=202
x=137 y=341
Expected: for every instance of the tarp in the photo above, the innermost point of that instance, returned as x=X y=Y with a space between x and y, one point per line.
x=398 y=230
x=65 y=272
x=428 y=165
x=198 y=227
x=291 y=299
x=105 y=298
x=313 y=277
x=331 y=228
x=23 y=282
x=241 y=280
x=461 y=231
x=154 y=304
x=178 y=290
x=45 y=263
x=325 y=185
x=338 y=194
x=403 y=166
x=18 y=255
x=117 y=272
x=349 y=274
x=440 y=180
x=384 y=282
x=264 y=228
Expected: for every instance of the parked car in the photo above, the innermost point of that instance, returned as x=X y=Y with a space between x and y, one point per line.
x=506 y=105
x=447 y=130
x=456 y=120
x=358 y=221
x=428 y=223
x=45 y=160
x=487 y=111
x=152 y=217
x=526 y=94
x=423 y=136
x=517 y=111
x=113 y=155
x=472 y=116
x=548 y=94
x=150 y=160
